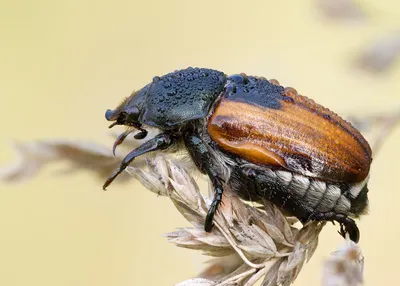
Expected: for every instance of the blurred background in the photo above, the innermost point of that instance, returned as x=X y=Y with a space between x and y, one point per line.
x=63 y=63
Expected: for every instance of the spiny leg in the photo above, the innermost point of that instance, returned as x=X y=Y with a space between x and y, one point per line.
x=160 y=142
x=206 y=164
x=347 y=225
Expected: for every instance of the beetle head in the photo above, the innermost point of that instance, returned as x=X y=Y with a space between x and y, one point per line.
x=127 y=113
x=123 y=116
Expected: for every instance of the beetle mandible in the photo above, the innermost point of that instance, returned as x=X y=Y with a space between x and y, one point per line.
x=259 y=138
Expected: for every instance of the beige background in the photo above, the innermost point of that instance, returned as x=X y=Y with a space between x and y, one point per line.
x=63 y=63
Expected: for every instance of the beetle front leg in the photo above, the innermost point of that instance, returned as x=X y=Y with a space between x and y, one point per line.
x=205 y=163
x=160 y=142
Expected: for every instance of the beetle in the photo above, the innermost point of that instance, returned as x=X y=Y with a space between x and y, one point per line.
x=262 y=140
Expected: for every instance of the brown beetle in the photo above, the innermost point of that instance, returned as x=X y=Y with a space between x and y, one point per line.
x=262 y=140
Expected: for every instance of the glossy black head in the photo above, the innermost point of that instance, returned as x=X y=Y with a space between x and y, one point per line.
x=172 y=100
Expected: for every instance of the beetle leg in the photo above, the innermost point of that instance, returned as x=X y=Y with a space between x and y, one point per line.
x=214 y=205
x=347 y=225
x=160 y=142
x=120 y=139
x=205 y=162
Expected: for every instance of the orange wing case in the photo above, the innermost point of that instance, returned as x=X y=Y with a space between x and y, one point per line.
x=279 y=128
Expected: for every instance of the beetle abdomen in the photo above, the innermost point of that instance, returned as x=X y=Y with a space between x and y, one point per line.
x=299 y=195
x=271 y=126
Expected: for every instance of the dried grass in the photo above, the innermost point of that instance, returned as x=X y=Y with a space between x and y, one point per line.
x=248 y=242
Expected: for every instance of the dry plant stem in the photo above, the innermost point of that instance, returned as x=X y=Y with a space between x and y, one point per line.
x=341 y=10
x=270 y=246
x=389 y=124
x=227 y=222
x=257 y=276
x=230 y=239
x=382 y=124
x=238 y=277
x=380 y=55
x=344 y=267
x=267 y=245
